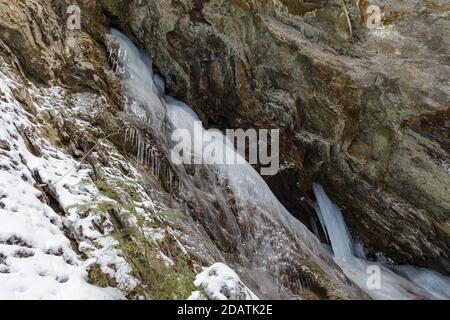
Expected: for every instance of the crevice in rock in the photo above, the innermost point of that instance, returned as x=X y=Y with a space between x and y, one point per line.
x=196 y=13
x=50 y=195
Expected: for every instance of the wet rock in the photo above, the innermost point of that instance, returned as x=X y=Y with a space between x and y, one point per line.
x=340 y=94
x=355 y=110
x=4 y=145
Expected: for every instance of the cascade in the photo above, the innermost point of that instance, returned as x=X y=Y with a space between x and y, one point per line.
x=237 y=208
x=396 y=282
x=234 y=205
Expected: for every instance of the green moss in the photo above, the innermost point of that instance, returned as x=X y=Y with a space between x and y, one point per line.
x=108 y=190
x=174 y=284
x=100 y=279
x=161 y=281
x=158 y=280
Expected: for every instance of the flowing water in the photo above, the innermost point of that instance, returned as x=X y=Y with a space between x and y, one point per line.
x=402 y=282
x=252 y=229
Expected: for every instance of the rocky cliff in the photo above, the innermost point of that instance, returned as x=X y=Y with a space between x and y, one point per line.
x=364 y=112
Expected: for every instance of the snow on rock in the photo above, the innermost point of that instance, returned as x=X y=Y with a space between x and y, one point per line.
x=37 y=259
x=221 y=283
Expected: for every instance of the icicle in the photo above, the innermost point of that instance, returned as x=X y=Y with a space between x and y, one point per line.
x=393 y=286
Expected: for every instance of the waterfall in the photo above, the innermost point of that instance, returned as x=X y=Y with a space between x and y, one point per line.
x=334 y=226
x=252 y=229
x=402 y=282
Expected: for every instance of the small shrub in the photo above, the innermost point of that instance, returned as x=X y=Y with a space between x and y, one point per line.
x=159 y=281
x=100 y=279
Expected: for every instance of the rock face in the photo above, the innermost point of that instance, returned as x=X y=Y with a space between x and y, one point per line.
x=365 y=112
x=71 y=189
x=65 y=143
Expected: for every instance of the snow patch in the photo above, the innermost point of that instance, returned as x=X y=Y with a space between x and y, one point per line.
x=37 y=259
x=222 y=283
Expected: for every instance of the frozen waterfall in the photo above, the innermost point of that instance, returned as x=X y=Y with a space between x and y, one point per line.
x=233 y=203
x=402 y=282
x=252 y=229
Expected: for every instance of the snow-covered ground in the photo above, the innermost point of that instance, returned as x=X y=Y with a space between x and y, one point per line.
x=221 y=283
x=46 y=251
x=37 y=259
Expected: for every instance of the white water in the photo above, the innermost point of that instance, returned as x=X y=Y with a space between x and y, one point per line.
x=408 y=282
x=235 y=205
x=239 y=211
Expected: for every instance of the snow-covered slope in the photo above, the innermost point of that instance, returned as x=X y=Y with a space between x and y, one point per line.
x=50 y=235
x=222 y=283
x=37 y=259
x=89 y=208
